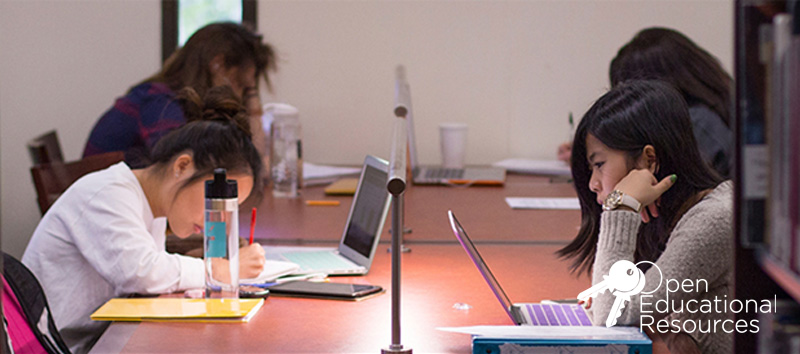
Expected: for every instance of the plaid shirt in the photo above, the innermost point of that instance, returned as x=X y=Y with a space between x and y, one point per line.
x=136 y=122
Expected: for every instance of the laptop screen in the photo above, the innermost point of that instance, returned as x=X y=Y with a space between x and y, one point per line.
x=465 y=241
x=368 y=211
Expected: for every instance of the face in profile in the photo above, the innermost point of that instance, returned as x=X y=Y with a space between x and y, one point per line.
x=186 y=212
x=608 y=167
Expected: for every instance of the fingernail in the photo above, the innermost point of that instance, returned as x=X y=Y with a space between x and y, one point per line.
x=673 y=177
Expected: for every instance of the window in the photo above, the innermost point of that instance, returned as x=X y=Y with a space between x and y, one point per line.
x=181 y=18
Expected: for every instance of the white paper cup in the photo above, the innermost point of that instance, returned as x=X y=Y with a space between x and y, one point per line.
x=453 y=139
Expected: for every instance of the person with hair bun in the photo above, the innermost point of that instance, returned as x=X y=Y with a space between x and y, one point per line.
x=105 y=236
x=219 y=54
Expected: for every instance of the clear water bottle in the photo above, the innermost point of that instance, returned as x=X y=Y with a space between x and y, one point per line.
x=221 y=237
x=286 y=152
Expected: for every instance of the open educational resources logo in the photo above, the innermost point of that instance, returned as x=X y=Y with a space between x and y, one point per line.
x=625 y=280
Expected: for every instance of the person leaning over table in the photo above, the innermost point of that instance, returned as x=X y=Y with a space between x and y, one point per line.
x=636 y=142
x=223 y=53
x=104 y=237
x=665 y=54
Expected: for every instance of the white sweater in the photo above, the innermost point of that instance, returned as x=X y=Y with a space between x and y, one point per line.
x=99 y=241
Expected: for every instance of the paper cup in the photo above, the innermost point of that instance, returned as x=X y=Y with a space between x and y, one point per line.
x=453 y=138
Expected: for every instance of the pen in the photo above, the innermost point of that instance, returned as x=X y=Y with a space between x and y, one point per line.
x=322 y=202
x=571 y=127
x=252 y=225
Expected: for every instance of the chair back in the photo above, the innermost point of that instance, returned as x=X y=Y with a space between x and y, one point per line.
x=45 y=149
x=52 y=179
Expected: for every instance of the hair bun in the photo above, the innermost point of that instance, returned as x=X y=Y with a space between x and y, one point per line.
x=219 y=104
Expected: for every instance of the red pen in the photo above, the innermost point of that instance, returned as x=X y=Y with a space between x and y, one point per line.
x=252 y=225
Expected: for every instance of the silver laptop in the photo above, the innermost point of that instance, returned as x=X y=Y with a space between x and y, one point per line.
x=536 y=314
x=361 y=233
x=436 y=174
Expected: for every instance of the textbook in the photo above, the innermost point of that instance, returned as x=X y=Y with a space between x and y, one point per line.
x=178 y=310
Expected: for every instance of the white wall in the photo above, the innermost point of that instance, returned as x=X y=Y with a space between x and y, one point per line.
x=62 y=63
x=511 y=70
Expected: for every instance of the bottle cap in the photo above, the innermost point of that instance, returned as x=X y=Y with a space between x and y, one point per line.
x=221 y=187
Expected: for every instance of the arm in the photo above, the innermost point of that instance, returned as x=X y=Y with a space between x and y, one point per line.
x=112 y=236
x=697 y=249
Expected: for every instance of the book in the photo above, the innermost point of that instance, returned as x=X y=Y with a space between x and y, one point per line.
x=178 y=310
x=344 y=186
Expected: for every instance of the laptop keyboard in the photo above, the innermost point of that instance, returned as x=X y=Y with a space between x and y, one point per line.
x=317 y=260
x=556 y=315
x=444 y=173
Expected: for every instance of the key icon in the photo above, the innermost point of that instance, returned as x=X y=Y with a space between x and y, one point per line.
x=623 y=281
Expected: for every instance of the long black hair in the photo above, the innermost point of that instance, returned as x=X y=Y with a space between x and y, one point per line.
x=665 y=54
x=627 y=118
x=218 y=136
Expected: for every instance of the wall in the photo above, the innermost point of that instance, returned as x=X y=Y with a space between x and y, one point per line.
x=511 y=70
x=62 y=63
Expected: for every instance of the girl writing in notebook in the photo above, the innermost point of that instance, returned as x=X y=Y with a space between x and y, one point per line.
x=104 y=237
x=647 y=195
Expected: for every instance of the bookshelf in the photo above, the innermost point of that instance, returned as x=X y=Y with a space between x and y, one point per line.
x=767 y=126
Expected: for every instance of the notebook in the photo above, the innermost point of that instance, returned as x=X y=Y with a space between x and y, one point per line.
x=436 y=174
x=522 y=313
x=178 y=310
x=361 y=233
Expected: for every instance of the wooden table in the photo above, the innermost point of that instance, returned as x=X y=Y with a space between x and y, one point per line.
x=518 y=245
x=482 y=210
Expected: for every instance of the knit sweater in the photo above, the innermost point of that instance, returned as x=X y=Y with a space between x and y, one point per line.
x=699 y=249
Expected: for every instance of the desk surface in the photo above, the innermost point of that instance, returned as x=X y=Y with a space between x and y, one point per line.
x=482 y=210
x=435 y=277
x=518 y=245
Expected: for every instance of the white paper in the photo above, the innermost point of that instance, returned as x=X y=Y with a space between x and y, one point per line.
x=543 y=203
x=314 y=171
x=272 y=270
x=531 y=166
x=550 y=332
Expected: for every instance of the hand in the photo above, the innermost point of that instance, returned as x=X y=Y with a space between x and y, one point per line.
x=565 y=152
x=586 y=304
x=643 y=186
x=251 y=261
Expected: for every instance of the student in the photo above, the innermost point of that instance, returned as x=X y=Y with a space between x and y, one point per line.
x=636 y=140
x=217 y=54
x=104 y=237
x=667 y=55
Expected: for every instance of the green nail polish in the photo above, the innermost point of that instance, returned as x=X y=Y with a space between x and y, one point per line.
x=673 y=177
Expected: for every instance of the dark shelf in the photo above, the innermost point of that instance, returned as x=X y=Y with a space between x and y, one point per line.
x=786 y=278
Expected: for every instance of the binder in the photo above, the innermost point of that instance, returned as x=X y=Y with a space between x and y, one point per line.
x=178 y=310
x=626 y=340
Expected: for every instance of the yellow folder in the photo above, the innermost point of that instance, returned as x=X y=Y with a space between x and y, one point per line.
x=344 y=186
x=178 y=310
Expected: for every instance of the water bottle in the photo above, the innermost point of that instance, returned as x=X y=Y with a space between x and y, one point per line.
x=286 y=152
x=221 y=237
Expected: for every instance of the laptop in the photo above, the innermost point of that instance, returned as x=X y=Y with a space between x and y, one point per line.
x=522 y=313
x=436 y=174
x=361 y=233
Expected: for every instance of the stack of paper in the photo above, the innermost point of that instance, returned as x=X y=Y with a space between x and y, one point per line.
x=178 y=310
x=537 y=167
x=314 y=174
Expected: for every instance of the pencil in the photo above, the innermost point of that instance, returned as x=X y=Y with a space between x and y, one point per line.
x=252 y=225
x=322 y=202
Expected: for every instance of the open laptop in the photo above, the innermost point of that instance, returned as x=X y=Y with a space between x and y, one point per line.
x=437 y=174
x=522 y=313
x=361 y=233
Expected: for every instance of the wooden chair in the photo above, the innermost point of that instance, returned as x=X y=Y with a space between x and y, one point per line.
x=45 y=149
x=52 y=179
